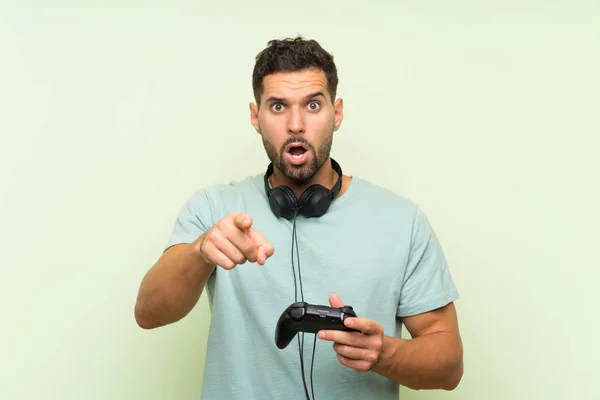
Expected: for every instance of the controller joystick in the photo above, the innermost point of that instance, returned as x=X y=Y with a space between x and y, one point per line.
x=310 y=318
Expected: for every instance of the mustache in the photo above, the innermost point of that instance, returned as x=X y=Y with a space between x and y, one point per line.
x=296 y=140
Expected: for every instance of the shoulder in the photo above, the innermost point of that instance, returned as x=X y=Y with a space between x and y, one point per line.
x=392 y=212
x=247 y=186
x=402 y=211
x=378 y=198
x=222 y=198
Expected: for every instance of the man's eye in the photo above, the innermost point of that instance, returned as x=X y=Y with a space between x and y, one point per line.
x=277 y=107
x=313 y=105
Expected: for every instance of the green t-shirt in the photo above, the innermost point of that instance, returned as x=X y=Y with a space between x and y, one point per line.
x=373 y=248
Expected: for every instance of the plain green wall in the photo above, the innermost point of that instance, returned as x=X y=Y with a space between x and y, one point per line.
x=113 y=113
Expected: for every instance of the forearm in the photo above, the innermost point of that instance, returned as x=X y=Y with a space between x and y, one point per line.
x=431 y=361
x=172 y=287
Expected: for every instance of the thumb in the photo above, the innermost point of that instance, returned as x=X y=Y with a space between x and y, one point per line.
x=335 y=301
x=243 y=221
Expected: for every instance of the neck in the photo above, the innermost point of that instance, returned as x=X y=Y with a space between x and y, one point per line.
x=325 y=176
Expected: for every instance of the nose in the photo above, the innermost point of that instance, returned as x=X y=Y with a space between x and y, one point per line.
x=296 y=121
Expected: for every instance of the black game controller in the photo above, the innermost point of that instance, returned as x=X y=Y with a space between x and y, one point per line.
x=304 y=317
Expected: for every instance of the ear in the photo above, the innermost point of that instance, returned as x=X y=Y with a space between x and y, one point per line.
x=338 y=106
x=254 y=117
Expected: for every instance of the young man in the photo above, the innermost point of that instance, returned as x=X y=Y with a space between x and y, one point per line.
x=256 y=254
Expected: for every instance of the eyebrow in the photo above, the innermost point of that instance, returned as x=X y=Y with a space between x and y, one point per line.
x=274 y=99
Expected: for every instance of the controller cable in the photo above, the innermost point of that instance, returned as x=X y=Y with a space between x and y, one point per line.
x=301 y=336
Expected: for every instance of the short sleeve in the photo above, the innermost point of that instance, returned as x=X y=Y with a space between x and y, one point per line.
x=193 y=220
x=427 y=282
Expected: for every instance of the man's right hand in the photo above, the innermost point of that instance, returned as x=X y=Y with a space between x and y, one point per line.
x=233 y=241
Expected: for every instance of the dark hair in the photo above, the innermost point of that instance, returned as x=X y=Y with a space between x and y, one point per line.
x=290 y=55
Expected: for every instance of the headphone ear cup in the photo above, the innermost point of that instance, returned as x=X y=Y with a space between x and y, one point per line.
x=315 y=201
x=283 y=202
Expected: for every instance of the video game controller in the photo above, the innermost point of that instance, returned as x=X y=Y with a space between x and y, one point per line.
x=311 y=318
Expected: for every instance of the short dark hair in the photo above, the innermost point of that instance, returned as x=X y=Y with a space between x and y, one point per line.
x=290 y=55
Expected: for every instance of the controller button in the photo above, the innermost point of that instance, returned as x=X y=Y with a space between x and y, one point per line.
x=297 y=313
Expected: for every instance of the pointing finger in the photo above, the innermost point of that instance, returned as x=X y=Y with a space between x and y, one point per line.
x=258 y=238
x=264 y=251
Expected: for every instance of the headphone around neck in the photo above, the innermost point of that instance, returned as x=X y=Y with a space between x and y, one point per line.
x=314 y=202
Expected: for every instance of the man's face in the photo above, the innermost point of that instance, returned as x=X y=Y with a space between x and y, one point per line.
x=296 y=120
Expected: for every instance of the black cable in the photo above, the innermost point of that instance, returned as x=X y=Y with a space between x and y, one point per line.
x=301 y=336
x=302 y=294
x=298 y=257
x=293 y=269
x=312 y=363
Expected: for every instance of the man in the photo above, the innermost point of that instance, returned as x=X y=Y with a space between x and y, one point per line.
x=367 y=247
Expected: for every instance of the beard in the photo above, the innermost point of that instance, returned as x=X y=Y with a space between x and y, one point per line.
x=299 y=174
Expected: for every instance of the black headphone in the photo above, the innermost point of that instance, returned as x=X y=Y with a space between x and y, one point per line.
x=314 y=202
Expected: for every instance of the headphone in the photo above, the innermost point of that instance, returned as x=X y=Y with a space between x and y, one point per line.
x=314 y=202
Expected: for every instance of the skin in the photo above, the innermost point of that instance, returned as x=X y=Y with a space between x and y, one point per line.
x=297 y=106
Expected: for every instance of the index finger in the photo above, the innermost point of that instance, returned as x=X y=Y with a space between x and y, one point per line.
x=352 y=339
x=364 y=325
x=258 y=238
x=265 y=248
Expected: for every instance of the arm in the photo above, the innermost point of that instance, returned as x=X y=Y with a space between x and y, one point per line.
x=172 y=287
x=432 y=359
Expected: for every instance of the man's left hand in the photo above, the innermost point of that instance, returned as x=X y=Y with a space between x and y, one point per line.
x=357 y=350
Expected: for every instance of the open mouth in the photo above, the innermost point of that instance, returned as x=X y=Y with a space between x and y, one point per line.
x=297 y=153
